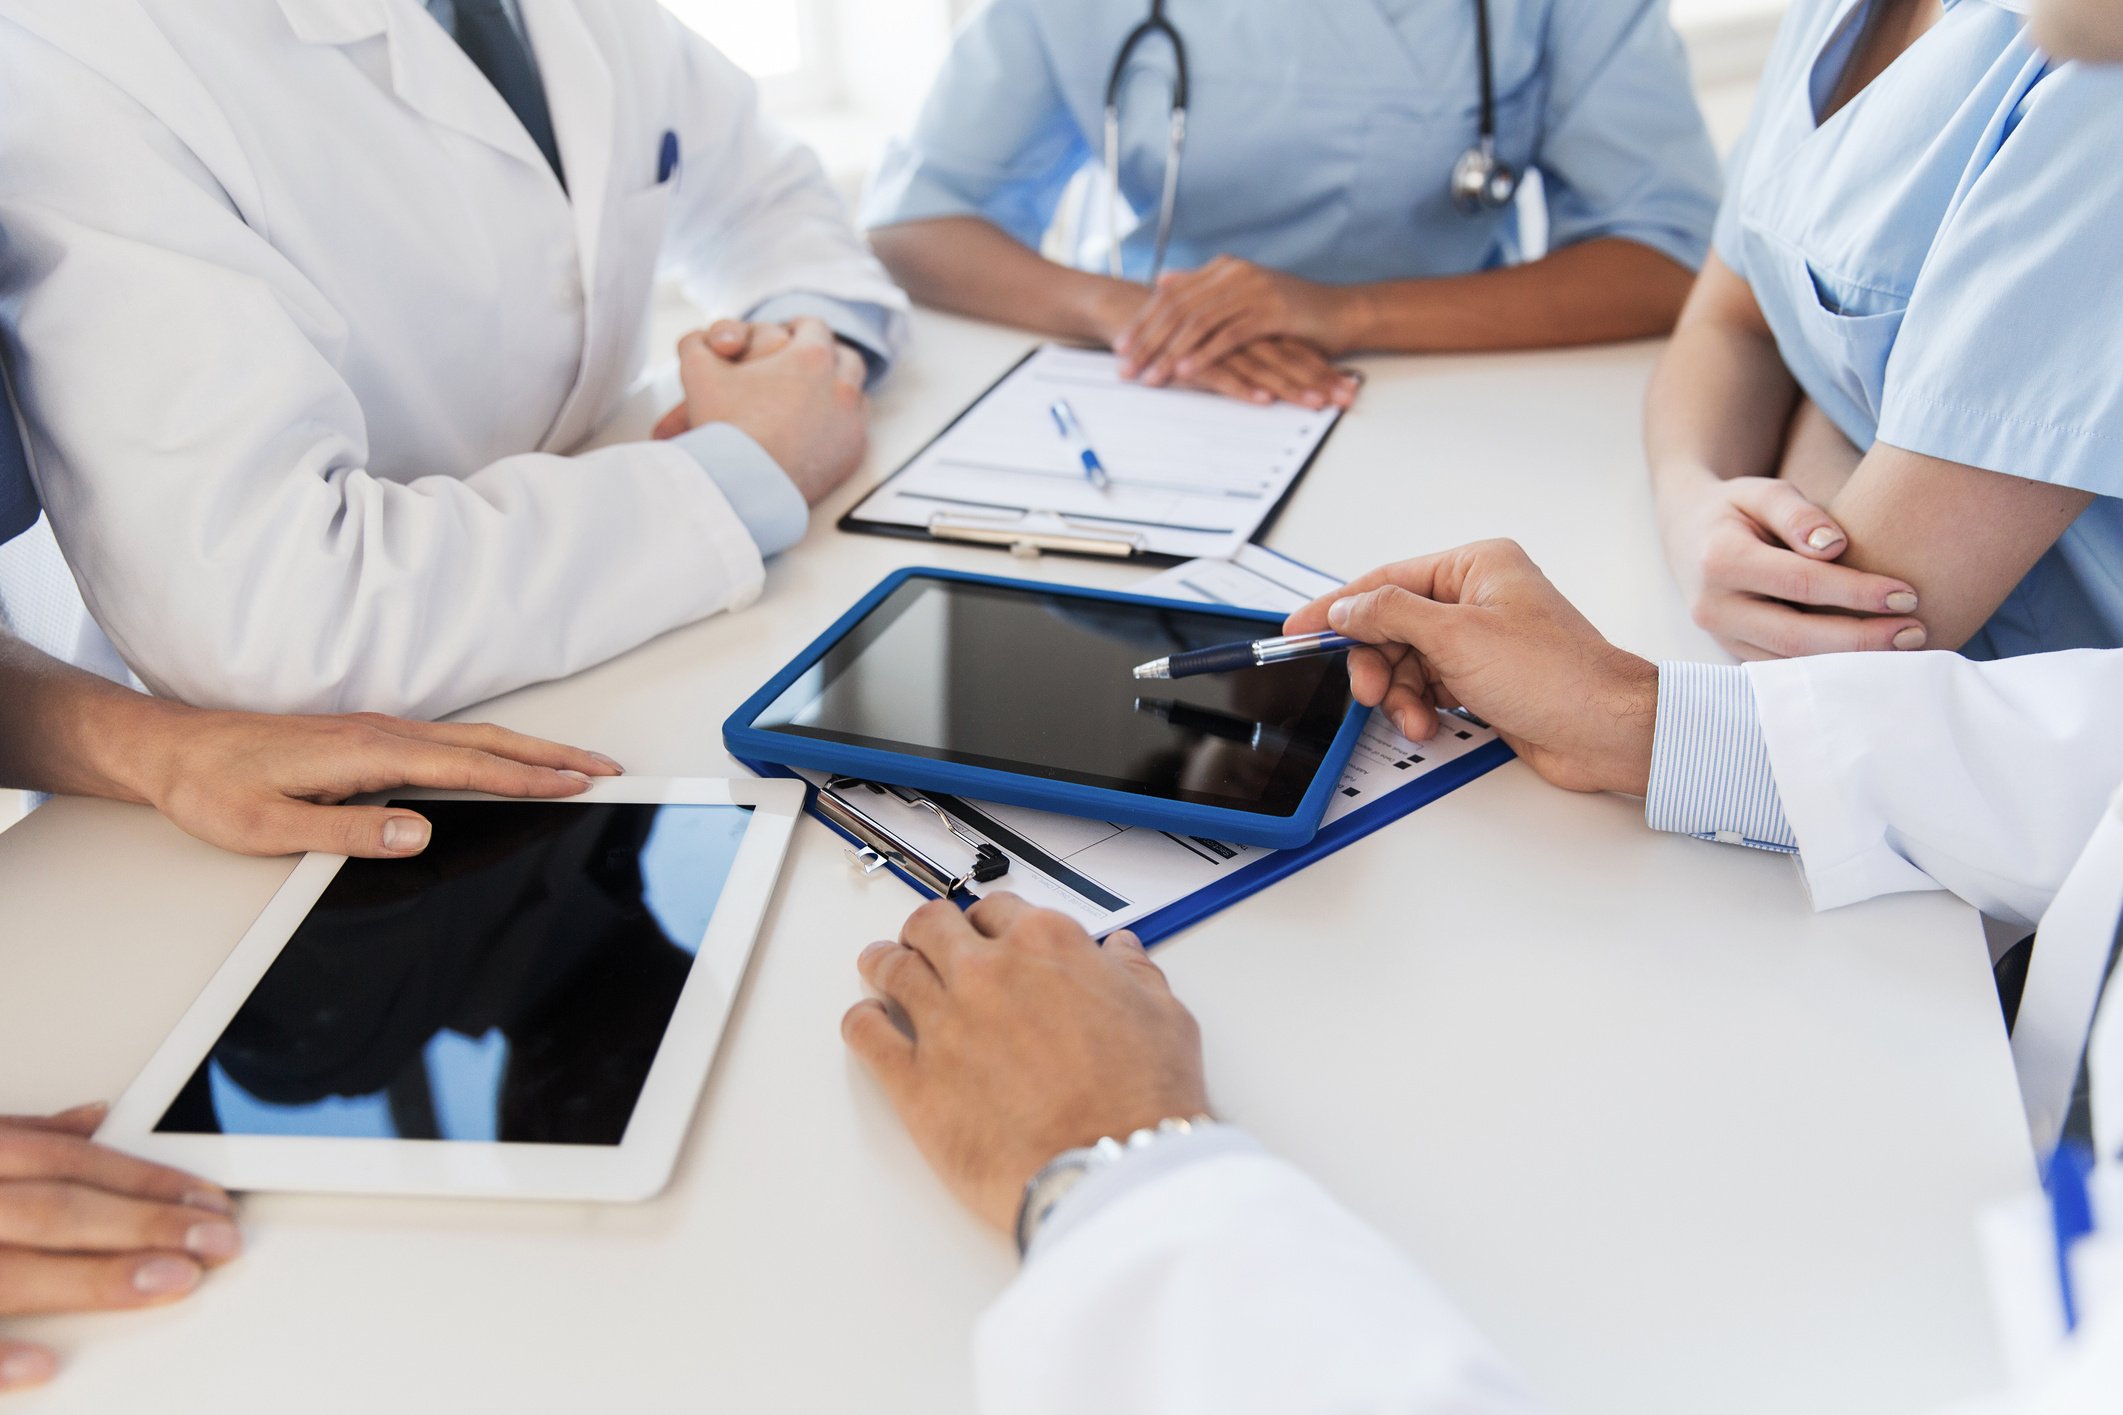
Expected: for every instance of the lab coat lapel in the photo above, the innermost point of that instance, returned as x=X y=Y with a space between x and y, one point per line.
x=580 y=92
x=429 y=72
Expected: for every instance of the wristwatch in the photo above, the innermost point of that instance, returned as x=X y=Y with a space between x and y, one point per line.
x=1045 y=1190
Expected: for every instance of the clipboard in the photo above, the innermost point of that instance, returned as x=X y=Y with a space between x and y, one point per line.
x=977 y=511
x=893 y=829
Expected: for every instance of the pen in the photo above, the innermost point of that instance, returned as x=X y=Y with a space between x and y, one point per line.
x=1072 y=433
x=1227 y=658
x=2070 y=1215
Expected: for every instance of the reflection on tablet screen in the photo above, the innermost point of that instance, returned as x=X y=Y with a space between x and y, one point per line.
x=512 y=983
x=1042 y=684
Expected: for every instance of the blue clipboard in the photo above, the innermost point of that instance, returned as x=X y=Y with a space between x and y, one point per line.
x=1180 y=914
x=754 y=746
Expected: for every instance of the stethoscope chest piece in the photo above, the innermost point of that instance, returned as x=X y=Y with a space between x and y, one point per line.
x=1482 y=181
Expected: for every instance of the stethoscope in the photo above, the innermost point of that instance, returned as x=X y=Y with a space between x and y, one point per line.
x=1481 y=180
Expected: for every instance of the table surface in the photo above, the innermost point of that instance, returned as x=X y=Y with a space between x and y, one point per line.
x=1673 y=1140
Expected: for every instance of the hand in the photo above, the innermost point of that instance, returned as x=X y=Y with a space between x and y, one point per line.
x=800 y=403
x=84 y=1228
x=1482 y=628
x=740 y=341
x=1272 y=369
x=261 y=785
x=1028 y=1039
x=1756 y=561
x=1197 y=317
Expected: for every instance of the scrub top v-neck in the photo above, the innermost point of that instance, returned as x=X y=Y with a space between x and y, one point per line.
x=1321 y=135
x=1939 y=262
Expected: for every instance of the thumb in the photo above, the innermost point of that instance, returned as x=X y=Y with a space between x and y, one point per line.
x=23 y=1365
x=1784 y=511
x=359 y=832
x=1387 y=615
x=730 y=337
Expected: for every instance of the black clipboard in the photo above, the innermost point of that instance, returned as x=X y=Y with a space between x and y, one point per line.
x=1099 y=538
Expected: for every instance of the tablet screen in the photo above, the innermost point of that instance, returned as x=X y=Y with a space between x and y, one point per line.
x=1035 y=683
x=512 y=983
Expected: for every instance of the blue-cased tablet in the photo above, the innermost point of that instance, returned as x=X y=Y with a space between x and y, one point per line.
x=1022 y=693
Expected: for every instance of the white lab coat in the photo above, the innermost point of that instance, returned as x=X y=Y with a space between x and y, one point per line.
x=304 y=330
x=1236 y=1285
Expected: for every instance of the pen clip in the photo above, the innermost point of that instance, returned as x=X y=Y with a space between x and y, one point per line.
x=1011 y=533
x=881 y=847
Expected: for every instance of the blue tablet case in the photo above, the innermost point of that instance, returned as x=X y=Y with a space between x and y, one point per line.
x=752 y=745
x=1225 y=892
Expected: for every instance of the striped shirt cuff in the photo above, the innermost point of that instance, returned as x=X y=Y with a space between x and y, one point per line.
x=1710 y=772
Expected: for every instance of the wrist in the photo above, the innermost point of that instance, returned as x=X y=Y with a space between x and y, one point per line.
x=127 y=743
x=1349 y=318
x=1110 y=307
x=1068 y=1171
x=1631 y=703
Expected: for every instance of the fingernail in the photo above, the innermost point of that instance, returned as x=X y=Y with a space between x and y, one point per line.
x=579 y=776
x=1910 y=638
x=1338 y=613
x=405 y=835
x=1189 y=368
x=213 y=1240
x=603 y=760
x=158 y=1277
x=211 y=1200
x=1901 y=602
x=28 y=1368
x=878 y=947
x=1823 y=537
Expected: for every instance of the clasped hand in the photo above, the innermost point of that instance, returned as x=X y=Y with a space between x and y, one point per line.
x=1242 y=330
x=793 y=388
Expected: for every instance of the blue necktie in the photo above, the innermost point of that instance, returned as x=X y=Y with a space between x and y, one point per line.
x=484 y=30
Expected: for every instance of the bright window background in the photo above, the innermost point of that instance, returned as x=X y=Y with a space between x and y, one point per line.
x=765 y=39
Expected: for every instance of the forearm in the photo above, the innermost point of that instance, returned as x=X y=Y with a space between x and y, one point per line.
x=1961 y=536
x=1721 y=398
x=1591 y=293
x=72 y=733
x=967 y=266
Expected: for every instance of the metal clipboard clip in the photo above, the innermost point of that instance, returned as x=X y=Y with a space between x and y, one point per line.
x=880 y=847
x=1014 y=534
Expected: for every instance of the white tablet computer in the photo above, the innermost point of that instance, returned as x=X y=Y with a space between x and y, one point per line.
x=528 y=1009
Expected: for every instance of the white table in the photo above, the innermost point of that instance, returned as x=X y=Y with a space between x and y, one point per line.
x=1677 y=1143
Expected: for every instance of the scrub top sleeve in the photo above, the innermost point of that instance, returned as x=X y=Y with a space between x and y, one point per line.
x=995 y=138
x=1624 y=151
x=2007 y=357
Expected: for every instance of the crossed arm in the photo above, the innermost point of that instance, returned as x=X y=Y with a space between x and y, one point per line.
x=1788 y=540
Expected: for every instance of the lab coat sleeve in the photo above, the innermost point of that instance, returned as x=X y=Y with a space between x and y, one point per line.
x=1229 y=1286
x=995 y=138
x=1903 y=772
x=206 y=465
x=756 y=217
x=1624 y=151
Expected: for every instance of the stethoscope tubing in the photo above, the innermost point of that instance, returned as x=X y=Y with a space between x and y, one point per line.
x=1487 y=183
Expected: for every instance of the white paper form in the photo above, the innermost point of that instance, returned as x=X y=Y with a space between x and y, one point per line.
x=1191 y=474
x=1110 y=876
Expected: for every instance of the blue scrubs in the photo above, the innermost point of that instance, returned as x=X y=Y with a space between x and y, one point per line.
x=1322 y=133
x=1941 y=263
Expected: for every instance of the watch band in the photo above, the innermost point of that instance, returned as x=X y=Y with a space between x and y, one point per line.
x=1045 y=1190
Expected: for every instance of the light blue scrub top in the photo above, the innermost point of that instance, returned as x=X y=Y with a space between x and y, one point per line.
x=1321 y=134
x=1942 y=265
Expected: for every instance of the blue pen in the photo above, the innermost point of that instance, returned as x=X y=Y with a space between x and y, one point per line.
x=1072 y=433
x=2070 y=1213
x=669 y=158
x=1228 y=658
